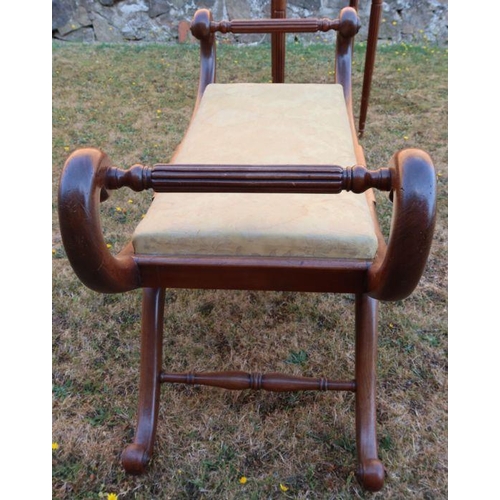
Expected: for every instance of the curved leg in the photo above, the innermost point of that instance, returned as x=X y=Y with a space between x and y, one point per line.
x=136 y=455
x=370 y=471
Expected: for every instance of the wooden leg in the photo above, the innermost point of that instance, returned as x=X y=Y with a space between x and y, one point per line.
x=278 y=43
x=136 y=455
x=371 y=49
x=370 y=469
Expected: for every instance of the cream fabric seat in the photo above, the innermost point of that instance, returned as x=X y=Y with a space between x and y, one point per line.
x=263 y=124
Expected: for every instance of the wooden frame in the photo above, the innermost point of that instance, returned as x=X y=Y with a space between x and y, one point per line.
x=89 y=176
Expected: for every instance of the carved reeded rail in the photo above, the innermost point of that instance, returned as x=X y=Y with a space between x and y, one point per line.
x=249 y=178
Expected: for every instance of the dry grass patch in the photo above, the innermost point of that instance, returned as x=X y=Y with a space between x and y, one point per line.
x=134 y=102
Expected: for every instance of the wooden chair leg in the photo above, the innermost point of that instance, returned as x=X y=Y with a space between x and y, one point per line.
x=371 y=49
x=370 y=471
x=136 y=455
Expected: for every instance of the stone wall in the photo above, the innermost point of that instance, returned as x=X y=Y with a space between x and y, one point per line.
x=412 y=21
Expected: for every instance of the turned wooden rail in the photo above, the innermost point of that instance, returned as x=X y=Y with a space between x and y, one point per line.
x=249 y=178
x=278 y=25
x=202 y=26
x=275 y=382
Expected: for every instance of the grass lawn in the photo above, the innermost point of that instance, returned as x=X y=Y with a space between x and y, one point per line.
x=134 y=102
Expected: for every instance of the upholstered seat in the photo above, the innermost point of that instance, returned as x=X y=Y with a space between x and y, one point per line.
x=287 y=124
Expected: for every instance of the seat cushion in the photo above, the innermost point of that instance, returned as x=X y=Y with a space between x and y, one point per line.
x=263 y=124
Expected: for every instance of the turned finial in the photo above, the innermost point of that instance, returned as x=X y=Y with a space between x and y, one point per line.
x=200 y=26
x=349 y=22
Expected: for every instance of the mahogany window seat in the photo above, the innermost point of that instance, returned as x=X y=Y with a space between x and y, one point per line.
x=268 y=190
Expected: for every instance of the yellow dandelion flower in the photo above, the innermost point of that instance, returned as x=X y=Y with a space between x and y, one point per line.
x=243 y=480
x=118 y=209
x=55 y=446
x=109 y=245
x=394 y=23
x=405 y=137
x=158 y=111
x=66 y=148
x=112 y=496
x=283 y=487
x=130 y=201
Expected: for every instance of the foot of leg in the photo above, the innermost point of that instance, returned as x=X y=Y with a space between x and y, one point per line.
x=371 y=474
x=135 y=459
x=370 y=469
